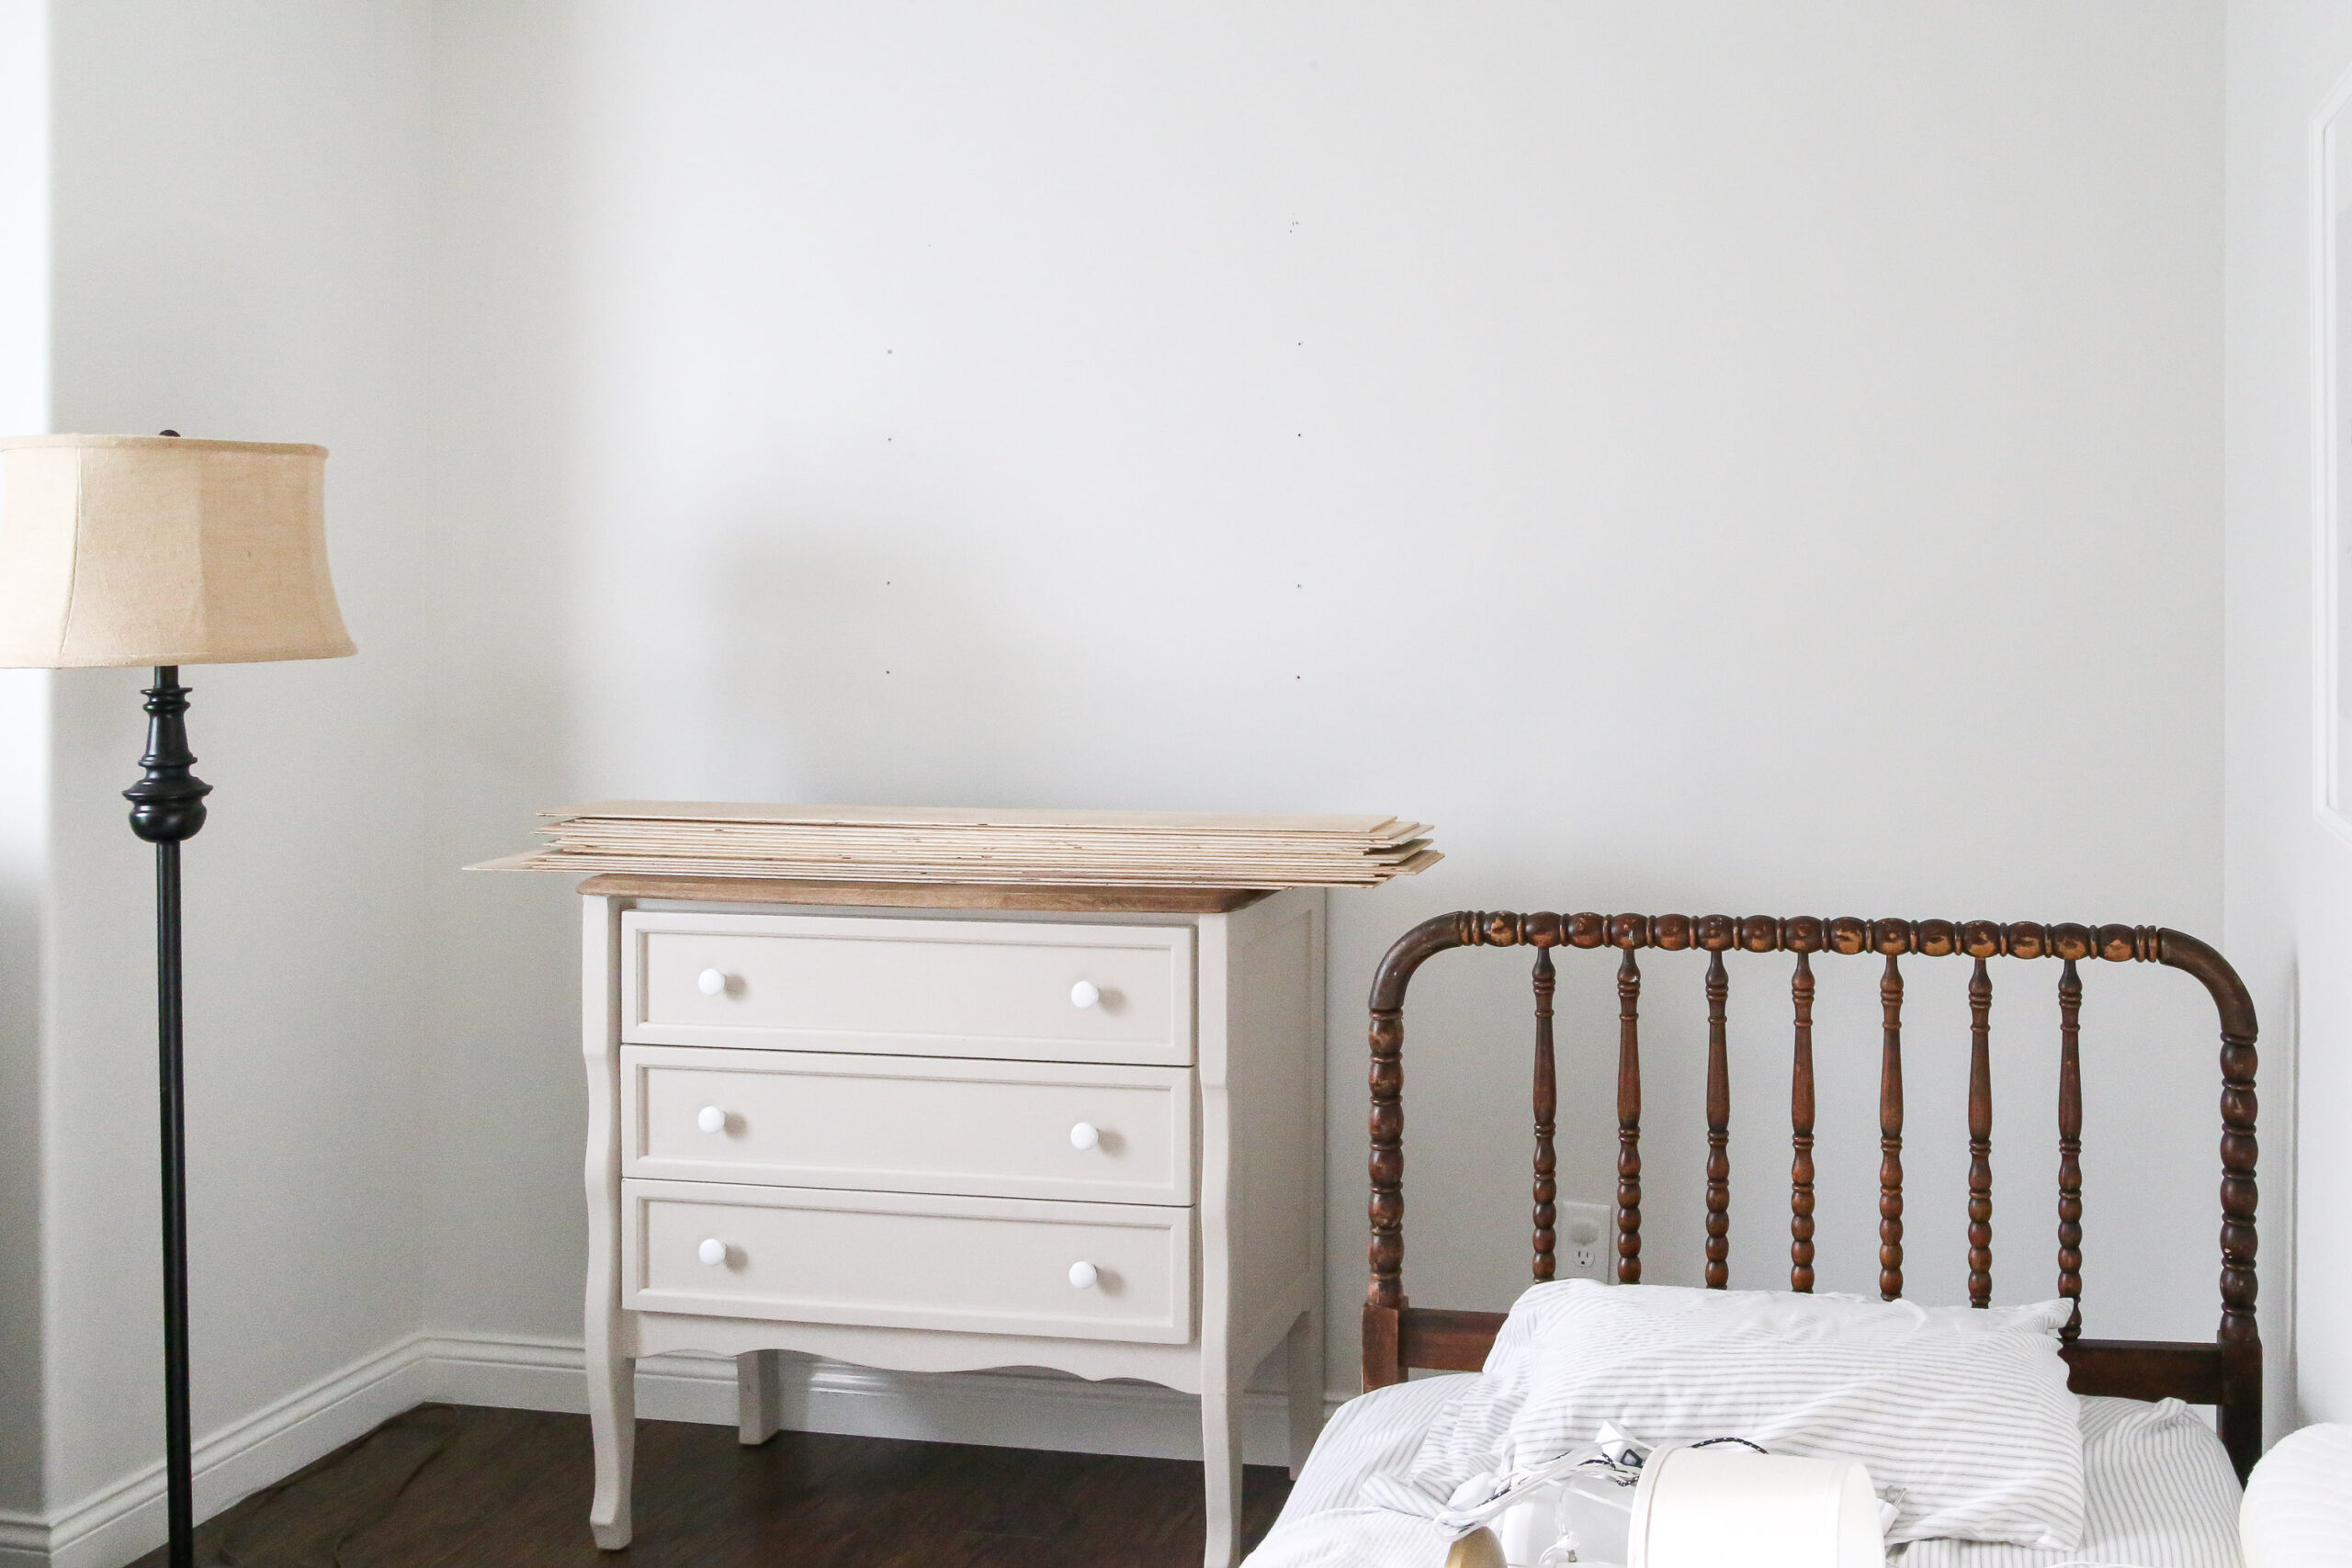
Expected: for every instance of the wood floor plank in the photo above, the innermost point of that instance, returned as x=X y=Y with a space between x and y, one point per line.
x=463 y=1486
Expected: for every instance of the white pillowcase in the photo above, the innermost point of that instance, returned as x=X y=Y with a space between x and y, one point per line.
x=2162 y=1495
x=1965 y=1411
x=1535 y=1316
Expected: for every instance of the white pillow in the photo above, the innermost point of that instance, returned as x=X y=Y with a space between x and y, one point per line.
x=1965 y=1411
x=1537 y=1314
x=2162 y=1495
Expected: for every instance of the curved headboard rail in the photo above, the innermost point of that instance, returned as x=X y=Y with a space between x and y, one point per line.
x=2225 y=1372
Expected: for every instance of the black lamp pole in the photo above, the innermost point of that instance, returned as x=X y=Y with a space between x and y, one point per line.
x=167 y=806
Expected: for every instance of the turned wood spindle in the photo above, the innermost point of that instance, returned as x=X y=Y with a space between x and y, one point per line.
x=1890 y=1131
x=1801 y=1132
x=2070 y=1144
x=2238 y=1280
x=1718 y=1127
x=1386 y=1164
x=1629 y=1120
x=1980 y=1137
x=1547 y=1101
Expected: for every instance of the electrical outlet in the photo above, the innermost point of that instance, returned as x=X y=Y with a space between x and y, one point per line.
x=1587 y=1242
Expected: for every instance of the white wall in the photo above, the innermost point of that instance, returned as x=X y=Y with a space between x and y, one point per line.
x=2289 y=886
x=23 y=755
x=1702 y=458
x=239 y=201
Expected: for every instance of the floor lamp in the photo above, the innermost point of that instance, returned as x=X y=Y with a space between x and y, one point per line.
x=156 y=550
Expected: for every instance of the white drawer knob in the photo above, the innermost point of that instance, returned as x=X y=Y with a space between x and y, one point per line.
x=1082 y=1275
x=710 y=983
x=711 y=1119
x=1085 y=1135
x=1085 y=994
x=712 y=1251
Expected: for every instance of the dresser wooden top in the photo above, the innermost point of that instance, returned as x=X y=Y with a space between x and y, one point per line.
x=930 y=895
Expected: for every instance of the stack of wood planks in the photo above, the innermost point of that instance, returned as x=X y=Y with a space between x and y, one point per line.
x=916 y=844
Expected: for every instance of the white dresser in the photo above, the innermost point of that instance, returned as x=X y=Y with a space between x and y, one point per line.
x=1076 y=1129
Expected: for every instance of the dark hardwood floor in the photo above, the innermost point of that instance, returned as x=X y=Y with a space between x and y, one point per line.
x=476 y=1488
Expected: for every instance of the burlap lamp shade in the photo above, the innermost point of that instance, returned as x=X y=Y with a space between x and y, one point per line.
x=164 y=551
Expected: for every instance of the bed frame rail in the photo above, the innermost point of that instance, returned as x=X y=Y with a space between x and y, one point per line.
x=2225 y=1372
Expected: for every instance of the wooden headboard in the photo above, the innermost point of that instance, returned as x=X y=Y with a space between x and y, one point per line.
x=2225 y=1372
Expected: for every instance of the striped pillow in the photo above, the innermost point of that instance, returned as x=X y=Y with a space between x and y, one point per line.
x=2162 y=1495
x=1963 y=1416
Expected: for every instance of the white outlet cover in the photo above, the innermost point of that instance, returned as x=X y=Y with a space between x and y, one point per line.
x=1587 y=1244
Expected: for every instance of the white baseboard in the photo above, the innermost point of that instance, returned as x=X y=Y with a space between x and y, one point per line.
x=1038 y=1410
x=116 y=1524
x=1021 y=1410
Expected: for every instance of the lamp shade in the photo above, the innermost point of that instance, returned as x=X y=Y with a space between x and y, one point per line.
x=153 y=550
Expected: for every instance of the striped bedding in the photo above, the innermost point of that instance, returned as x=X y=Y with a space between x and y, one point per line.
x=2160 y=1493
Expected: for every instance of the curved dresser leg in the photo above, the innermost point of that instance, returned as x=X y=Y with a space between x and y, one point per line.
x=1304 y=1376
x=1221 y=1466
x=612 y=1424
x=612 y=1371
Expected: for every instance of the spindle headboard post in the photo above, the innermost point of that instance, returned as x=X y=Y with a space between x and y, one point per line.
x=2225 y=1372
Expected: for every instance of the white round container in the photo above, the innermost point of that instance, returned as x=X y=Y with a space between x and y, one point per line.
x=1706 y=1507
x=2297 y=1509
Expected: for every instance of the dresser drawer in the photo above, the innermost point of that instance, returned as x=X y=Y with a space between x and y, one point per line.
x=908 y=1124
x=1060 y=993
x=980 y=1265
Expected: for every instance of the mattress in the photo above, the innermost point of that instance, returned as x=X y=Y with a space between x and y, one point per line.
x=2161 y=1493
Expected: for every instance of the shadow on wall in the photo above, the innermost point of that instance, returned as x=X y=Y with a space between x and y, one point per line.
x=857 y=664
x=24 y=740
